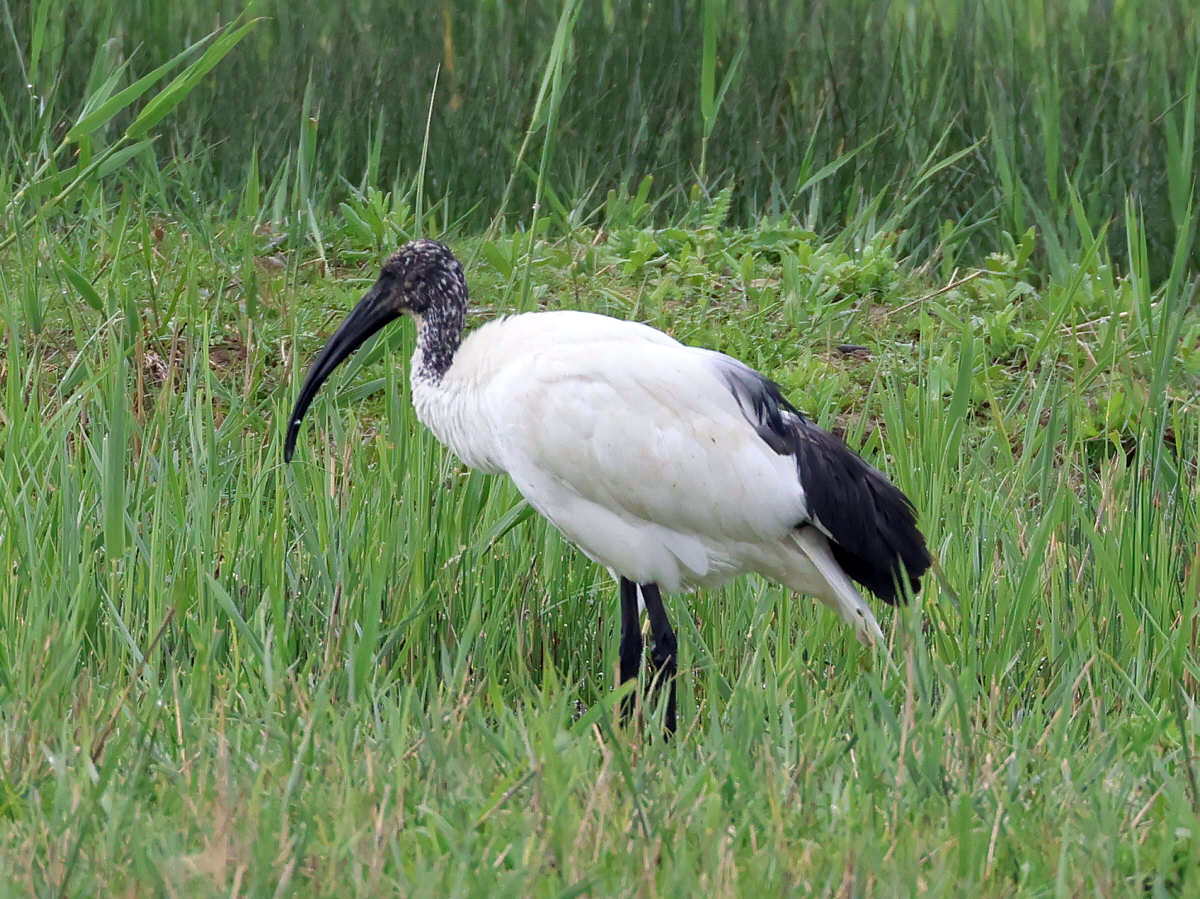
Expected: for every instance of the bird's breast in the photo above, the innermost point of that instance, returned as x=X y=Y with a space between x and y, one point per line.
x=451 y=408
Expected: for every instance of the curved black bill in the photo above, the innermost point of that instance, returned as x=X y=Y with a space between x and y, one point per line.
x=372 y=312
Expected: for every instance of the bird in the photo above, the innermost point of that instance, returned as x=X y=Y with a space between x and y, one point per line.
x=673 y=466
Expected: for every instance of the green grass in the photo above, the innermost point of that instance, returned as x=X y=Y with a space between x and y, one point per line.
x=835 y=114
x=374 y=671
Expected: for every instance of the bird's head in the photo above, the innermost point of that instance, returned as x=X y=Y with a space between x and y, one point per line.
x=421 y=279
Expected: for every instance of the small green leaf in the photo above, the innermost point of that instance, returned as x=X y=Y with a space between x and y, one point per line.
x=496 y=258
x=356 y=226
x=82 y=286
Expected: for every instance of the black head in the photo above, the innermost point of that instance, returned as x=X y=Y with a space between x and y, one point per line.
x=421 y=279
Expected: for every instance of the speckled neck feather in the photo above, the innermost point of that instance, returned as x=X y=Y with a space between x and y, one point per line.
x=439 y=333
x=436 y=277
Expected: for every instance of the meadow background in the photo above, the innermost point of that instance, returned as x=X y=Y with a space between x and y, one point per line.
x=375 y=672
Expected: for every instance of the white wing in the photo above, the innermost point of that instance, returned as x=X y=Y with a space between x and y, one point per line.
x=634 y=446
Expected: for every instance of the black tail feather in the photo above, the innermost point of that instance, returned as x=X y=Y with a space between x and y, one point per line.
x=871 y=523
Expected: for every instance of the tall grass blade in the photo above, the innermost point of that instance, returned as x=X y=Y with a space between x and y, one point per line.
x=182 y=84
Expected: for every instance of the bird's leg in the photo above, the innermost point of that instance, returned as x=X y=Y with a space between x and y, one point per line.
x=666 y=650
x=631 y=643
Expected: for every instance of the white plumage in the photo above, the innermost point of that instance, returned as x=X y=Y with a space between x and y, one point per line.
x=673 y=466
x=631 y=444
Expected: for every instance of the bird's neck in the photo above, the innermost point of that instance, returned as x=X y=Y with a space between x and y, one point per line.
x=439 y=332
x=452 y=404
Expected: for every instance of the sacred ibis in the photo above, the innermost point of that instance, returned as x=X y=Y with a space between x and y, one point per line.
x=673 y=466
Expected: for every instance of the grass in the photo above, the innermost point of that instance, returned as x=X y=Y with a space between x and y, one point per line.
x=833 y=114
x=375 y=671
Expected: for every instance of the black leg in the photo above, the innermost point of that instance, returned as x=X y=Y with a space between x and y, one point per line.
x=631 y=643
x=666 y=650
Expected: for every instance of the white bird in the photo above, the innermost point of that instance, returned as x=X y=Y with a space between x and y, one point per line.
x=673 y=466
